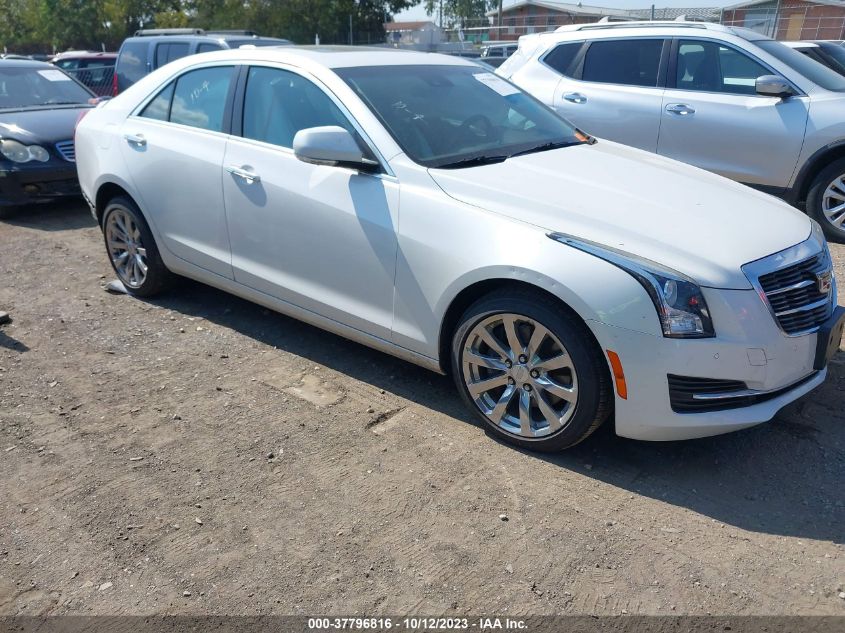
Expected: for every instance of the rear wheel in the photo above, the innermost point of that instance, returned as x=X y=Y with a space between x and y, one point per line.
x=531 y=371
x=132 y=249
x=826 y=200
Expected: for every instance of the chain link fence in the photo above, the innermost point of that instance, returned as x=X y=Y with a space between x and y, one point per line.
x=98 y=78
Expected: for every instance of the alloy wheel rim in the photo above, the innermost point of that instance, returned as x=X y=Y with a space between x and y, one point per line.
x=126 y=250
x=520 y=375
x=833 y=202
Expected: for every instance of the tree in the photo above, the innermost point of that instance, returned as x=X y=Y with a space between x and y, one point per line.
x=459 y=12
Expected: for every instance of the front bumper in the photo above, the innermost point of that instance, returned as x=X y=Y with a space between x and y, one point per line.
x=31 y=183
x=749 y=348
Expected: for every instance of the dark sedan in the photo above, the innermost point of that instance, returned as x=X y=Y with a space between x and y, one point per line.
x=39 y=108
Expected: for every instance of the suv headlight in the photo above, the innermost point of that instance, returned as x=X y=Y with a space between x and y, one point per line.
x=20 y=153
x=678 y=300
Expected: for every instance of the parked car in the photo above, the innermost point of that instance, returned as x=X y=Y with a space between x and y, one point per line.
x=92 y=68
x=429 y=209
x=831 y=54
x=496 y=54
x=726 y=99
x=150 y=49
x=39 y=107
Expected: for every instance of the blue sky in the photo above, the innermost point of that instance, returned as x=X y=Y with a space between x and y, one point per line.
x=418 y=12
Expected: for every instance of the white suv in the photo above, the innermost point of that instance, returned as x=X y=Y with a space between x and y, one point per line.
x=725 y=99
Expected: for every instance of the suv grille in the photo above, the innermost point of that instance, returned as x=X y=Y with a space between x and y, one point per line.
x=794 y=296
x=67 y=150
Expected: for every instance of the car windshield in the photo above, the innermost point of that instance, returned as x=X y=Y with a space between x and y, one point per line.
x=29 y=86
x=810 y=68
x=457 y=116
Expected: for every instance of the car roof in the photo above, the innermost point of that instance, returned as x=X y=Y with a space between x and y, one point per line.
x=83 y=55
x=205 y=37
x=660 y=28
x=25 y=63
x=800 y=44
x=337 y=56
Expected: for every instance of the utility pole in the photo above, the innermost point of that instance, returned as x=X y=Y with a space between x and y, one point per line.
x=499 y=32
x=350 y=29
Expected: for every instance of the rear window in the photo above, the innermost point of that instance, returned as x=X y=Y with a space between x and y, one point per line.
x=809 y=68
x=132 y=63
x=632 y=62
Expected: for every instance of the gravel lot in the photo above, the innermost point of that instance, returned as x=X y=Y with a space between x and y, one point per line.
x=198 y=454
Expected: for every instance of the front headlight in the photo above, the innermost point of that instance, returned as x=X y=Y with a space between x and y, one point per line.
x=678 y=300
x=20 y=153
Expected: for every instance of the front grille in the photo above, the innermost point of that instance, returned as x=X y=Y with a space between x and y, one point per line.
x=684 y=389
x=67 y=150
x=794 y=296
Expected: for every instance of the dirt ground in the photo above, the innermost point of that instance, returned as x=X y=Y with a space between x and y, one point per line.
x=198 y=454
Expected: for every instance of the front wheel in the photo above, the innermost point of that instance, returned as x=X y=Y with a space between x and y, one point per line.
x=132 y=249
x=531 y=371
x=826 y=200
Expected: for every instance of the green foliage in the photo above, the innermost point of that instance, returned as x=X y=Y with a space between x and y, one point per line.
x=456 y=12
x=45 y=26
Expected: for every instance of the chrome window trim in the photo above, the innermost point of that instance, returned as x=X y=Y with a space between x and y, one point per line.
x=791 y=256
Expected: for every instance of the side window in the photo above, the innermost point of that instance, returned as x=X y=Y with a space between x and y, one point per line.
x=132 y=62
x=66 y=64
x=199 y=98
x=168 y=51
x=278 y=104
x=633 y=62
x=159 y=108
x=711 y=67
x=205 y=47
x=560 y=58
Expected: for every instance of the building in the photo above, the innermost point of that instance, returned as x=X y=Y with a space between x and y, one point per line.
x=536 y=16
x=423 y=35
x=790 y=19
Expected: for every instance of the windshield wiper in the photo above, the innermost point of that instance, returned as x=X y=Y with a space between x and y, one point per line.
x=546 y=146
x=474 y=161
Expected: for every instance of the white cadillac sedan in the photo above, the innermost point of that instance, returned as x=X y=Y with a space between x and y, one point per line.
x=425 y=207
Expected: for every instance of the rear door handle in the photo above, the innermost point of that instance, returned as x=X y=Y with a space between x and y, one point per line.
x=680 y=108
x=575 y=97
x=248 y=176
x=136 y=139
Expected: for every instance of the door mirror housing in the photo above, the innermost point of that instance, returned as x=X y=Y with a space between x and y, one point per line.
x=773 y=86
x=331 y=145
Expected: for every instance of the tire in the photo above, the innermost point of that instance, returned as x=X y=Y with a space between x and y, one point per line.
x=570 y=372
x=122 y=219
x=818 y=199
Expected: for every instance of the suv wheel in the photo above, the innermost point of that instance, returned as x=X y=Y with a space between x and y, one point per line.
x=132 y=250
x=826 y=200
x=530 y=371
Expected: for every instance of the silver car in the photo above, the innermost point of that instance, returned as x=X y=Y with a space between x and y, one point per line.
x=726 y=99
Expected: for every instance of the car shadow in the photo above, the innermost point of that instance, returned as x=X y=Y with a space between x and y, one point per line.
x=782 y=478
x=58 y=216
x=7 y=342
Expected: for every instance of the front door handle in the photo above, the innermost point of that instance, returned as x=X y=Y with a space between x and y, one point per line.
x=136 y=139
x=575 y=97
x=245 y=173
x=681 y=109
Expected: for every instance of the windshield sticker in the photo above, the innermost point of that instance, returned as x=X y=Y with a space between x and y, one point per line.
x=496 y=83
x=54 y=75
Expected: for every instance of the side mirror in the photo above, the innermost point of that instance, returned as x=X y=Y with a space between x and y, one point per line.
x=330 y=145
x=773 y=86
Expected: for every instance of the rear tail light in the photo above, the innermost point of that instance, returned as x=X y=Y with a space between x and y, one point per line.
x=114 y=84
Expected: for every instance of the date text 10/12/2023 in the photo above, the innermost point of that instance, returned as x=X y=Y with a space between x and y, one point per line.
x=416 y=623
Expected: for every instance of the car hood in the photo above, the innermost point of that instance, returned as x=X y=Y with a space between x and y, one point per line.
x=40 y=125
x=690 y=220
